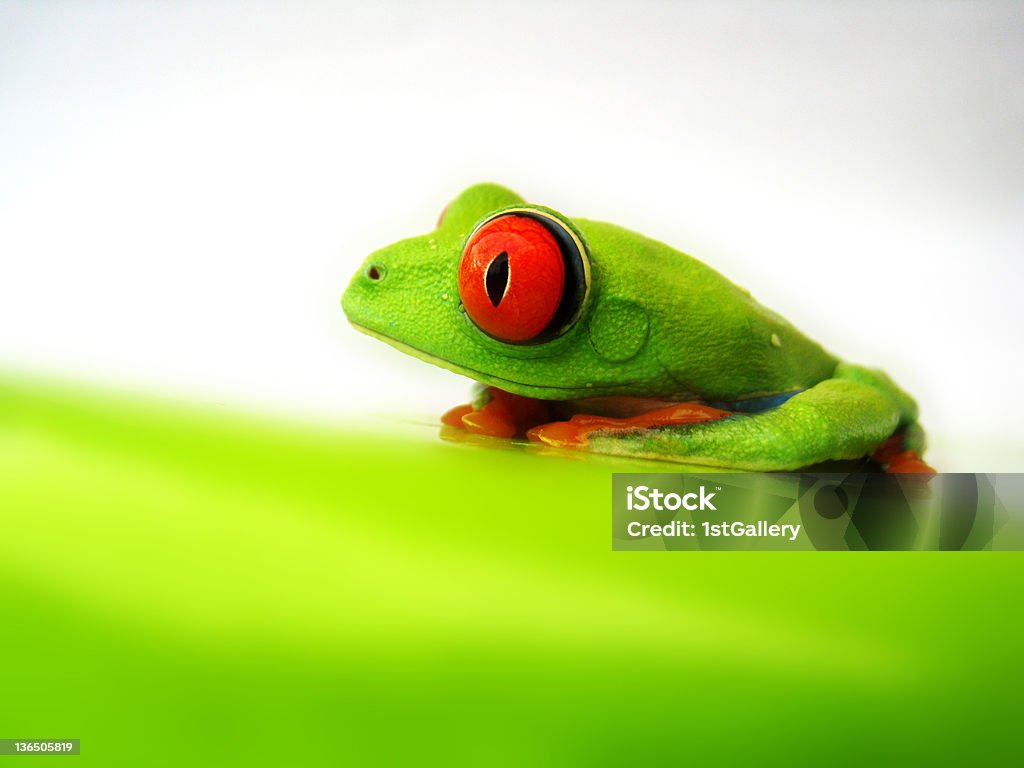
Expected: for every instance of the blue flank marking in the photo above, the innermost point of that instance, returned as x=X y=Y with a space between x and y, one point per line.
x=754 y=404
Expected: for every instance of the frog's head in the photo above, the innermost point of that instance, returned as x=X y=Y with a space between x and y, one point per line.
x=501 y=291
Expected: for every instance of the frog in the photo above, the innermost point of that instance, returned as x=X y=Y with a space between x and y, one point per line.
x=586 y=336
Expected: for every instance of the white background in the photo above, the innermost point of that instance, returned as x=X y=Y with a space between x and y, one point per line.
x=185 y=188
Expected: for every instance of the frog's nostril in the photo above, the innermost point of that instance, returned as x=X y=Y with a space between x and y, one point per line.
x=375 y=272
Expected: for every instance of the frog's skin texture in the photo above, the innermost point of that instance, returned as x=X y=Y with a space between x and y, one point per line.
x=654 y=323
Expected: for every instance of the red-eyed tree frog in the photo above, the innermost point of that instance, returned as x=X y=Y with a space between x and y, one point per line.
x=589 y=336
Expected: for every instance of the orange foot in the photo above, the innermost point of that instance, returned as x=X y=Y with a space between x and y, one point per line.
x=576 y=431
x=895 y=460
x=504 y=415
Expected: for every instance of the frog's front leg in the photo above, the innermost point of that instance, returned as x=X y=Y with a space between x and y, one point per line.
x=847 y=417
x=496 y=413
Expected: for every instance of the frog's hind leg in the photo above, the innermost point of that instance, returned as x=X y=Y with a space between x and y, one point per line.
x=581 y=427
x=845 y=417
x=901 y=451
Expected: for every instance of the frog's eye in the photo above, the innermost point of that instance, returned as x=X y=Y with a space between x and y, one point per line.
x=523 y=277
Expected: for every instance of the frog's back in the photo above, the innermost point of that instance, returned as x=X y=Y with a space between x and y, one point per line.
x=712 y=337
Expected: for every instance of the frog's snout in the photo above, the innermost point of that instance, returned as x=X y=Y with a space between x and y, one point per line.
x=359 y=298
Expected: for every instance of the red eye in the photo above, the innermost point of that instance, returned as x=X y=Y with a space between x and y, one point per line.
x=512 y=277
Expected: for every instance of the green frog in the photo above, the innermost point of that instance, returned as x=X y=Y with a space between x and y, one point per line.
x=584 y=335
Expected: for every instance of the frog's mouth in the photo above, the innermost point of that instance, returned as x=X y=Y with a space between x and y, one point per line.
x=540 y=391
x=623 y=403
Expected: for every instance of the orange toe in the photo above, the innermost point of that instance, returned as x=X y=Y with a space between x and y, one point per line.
x=493 y=420
x=908 y=462
x=453 y=417
x=504 y=415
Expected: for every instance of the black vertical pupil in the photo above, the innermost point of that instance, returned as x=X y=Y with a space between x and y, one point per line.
x=496 y=279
